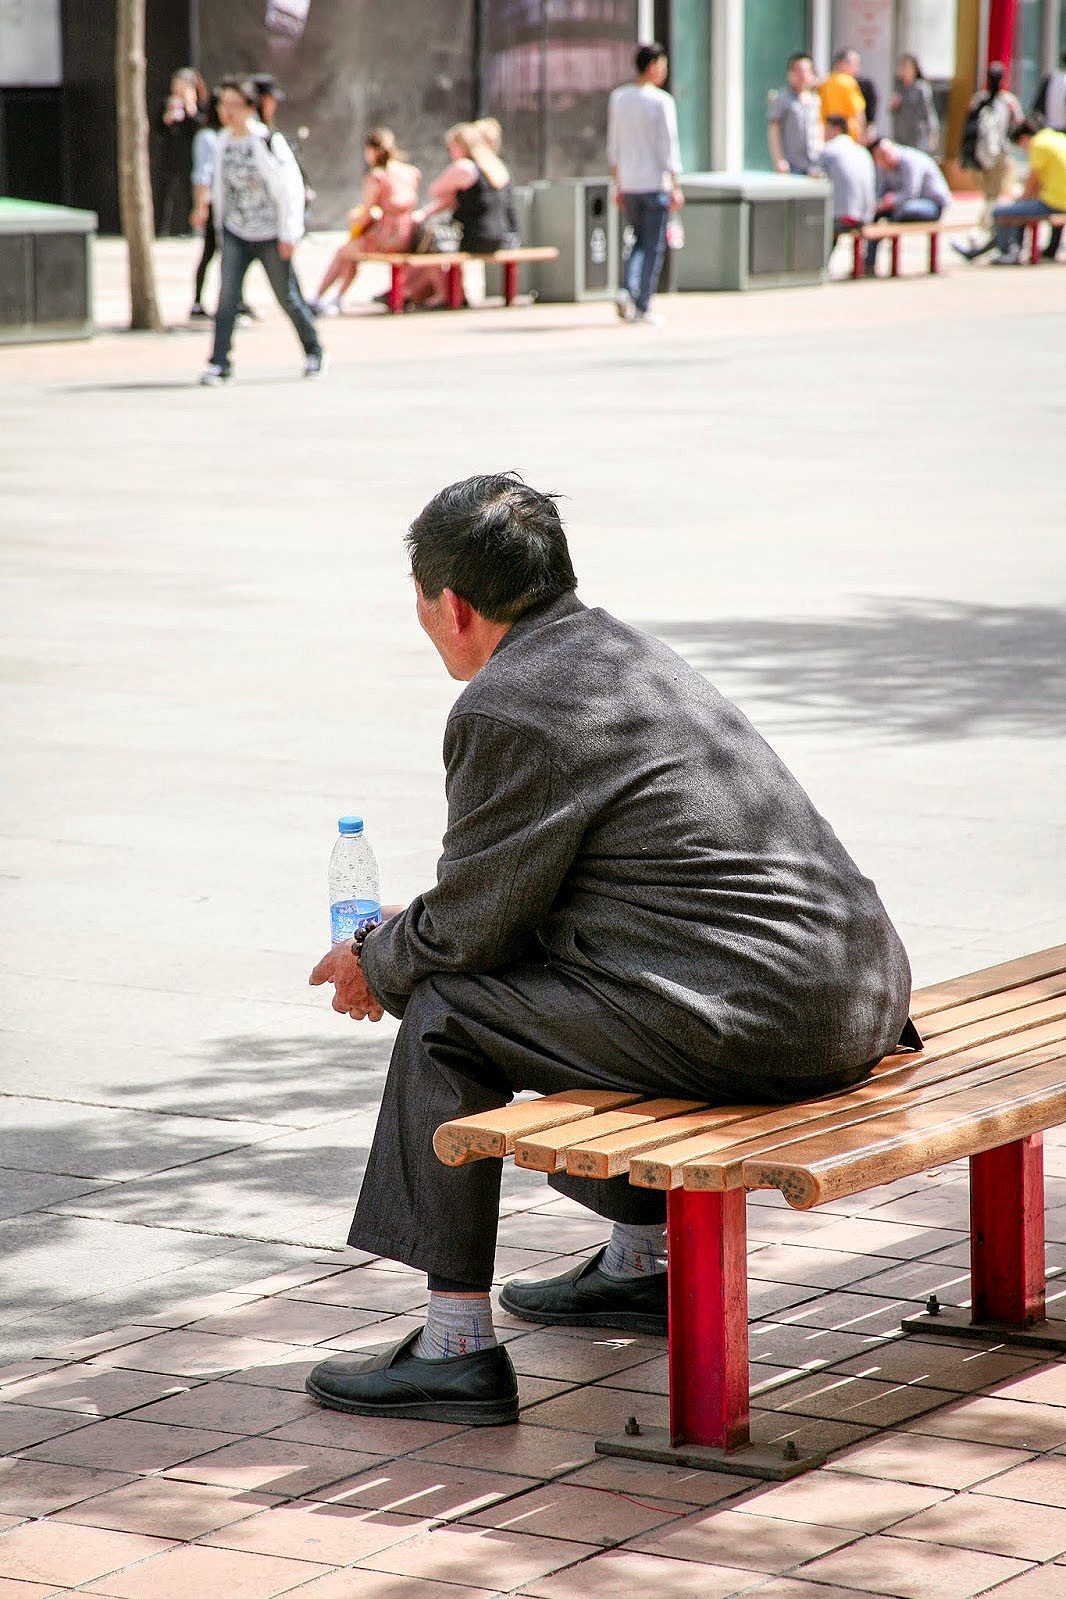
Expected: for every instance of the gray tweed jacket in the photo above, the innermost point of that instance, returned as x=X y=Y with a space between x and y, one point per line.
x=610 y=811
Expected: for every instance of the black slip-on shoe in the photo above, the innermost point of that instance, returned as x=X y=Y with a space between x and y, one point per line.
x=478 y=1390
x=587 y=1297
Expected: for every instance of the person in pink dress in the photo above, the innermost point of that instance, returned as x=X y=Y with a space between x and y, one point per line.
x=384 y=221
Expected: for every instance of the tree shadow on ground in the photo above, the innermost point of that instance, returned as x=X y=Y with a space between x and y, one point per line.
x=905 y=669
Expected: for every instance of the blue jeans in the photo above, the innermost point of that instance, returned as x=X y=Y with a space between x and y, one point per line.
x=1008 y=238
x=905 y=211
x=237 y=257
x=647 y=215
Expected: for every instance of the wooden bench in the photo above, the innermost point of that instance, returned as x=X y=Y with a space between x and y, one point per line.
x=897 y=232
x=1032 y=225
x=990 y=1079
x=452 y=264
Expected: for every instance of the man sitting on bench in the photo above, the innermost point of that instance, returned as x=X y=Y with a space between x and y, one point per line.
x=634 y=893
x=910 y=188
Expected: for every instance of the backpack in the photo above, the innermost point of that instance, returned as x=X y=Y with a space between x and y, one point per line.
x=984 y=136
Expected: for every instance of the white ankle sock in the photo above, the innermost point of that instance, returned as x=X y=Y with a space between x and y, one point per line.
x=635 y=1251
x=455 y=1325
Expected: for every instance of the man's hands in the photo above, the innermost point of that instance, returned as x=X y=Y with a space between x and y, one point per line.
x=352 y=997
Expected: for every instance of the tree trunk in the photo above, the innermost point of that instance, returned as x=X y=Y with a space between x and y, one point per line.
x=135 y=185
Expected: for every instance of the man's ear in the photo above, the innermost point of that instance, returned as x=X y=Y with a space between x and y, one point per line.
x=460 y=612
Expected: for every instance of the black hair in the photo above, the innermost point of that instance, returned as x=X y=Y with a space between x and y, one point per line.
x=996 y=73
x=838 y=122
x=242 y=86
x=875 y=144
x=909 y=55
x=494 y=541
x=842 y=54
x=800 y=55
x=647 y=54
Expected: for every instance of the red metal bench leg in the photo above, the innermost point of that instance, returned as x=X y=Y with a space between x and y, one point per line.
x=1006 y=1253
x=455 y=286
x=896 y=242
x=510 y=282
x=934 y=252
x=396 y=287
x=708 y=1300
x=708 y=1318
x=1007 y=1233
x=1033 y=230
x=859 y=255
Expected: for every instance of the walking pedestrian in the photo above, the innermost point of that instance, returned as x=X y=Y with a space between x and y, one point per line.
x=645 y=161
x=257 y=194
x=991 y=117
x=914 y=119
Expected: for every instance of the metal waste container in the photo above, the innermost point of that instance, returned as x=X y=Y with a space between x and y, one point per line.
x=753 y=230
x=46 y=285
x=579 y=217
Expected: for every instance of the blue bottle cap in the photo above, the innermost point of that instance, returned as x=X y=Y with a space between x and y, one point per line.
x=350 y=824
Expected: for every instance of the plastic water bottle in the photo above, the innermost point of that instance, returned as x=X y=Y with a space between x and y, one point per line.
x=675 y=234
x=354 y=893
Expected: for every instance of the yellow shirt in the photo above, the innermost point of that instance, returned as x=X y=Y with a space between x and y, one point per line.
x=1047 y=158
x=841 y=97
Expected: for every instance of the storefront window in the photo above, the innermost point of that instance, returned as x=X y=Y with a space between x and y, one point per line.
x=1025 y=68
x=773 y=30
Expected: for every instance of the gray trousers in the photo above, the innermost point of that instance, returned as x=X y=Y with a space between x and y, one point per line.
x=466 y=1044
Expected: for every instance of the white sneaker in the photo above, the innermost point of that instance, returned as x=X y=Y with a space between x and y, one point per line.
x=623 y=304
x=212 y=375
x=1011 y=257
x=651 y=319
x=315 y=364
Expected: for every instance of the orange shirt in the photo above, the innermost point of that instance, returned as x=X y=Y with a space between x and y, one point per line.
x=841 y=97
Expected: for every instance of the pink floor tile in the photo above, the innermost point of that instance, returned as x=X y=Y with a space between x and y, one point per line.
x=161 y=1507
x=997 y=1526
x=25 y=1590
x=194 y=1354
x=128 y=1445
x=332 y=1535
x=274 y=1466
x=911 y=1570
x=227 y=1407
x=19 y=1370
x=100 y=1343
x=842 y=1396
x=937 y=1462
x=482 y=1556
x=213 y=1573
x=558 y=1354
x=599 y=1411
x=417 y=1488
x=22 y=1426
x=358 y=1583
x=52 y=1552
x=795 y=1588
x=92 y=1390
x=287 y=1367
x=1012 y=1423
x=1042 y=1482
x=372 y=1435
x=753 y=1542
x=291 y=1277
x=521 y=1451
x=1043 y=1582
x=830 y=1499
x=957 y=1367
x=284 y=1320
x=1046 y=1386
x=384 y=1329
x=183 y=1311
x=37 y=1487
x=362 y=1289
x=675 y=1484
x=582 y=1515
x=806 y=1435
x=624 y=1574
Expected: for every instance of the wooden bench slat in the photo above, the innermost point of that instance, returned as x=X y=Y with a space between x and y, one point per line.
x=492 y=1133
x=544 y=1151
x=775 y=1125
x=1015 y=999
x=990 y=980
x=610 y=1156
x=912 y=1140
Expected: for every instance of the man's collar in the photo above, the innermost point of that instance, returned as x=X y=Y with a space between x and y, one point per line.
x=541 y=616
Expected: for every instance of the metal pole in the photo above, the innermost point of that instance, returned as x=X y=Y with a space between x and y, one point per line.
x=542 y=107
x=821 y=35
x=194 y=33
x=478 y=96
x=645 y=21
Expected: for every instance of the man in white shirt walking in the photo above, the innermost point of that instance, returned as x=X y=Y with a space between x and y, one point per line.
x=645 y=160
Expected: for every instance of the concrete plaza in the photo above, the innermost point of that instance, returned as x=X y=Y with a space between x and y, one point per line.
x=846 y=506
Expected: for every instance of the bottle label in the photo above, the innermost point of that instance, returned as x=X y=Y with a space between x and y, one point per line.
x=350 y=916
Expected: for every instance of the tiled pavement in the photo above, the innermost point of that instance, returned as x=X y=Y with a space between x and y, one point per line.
x=181 y=1456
